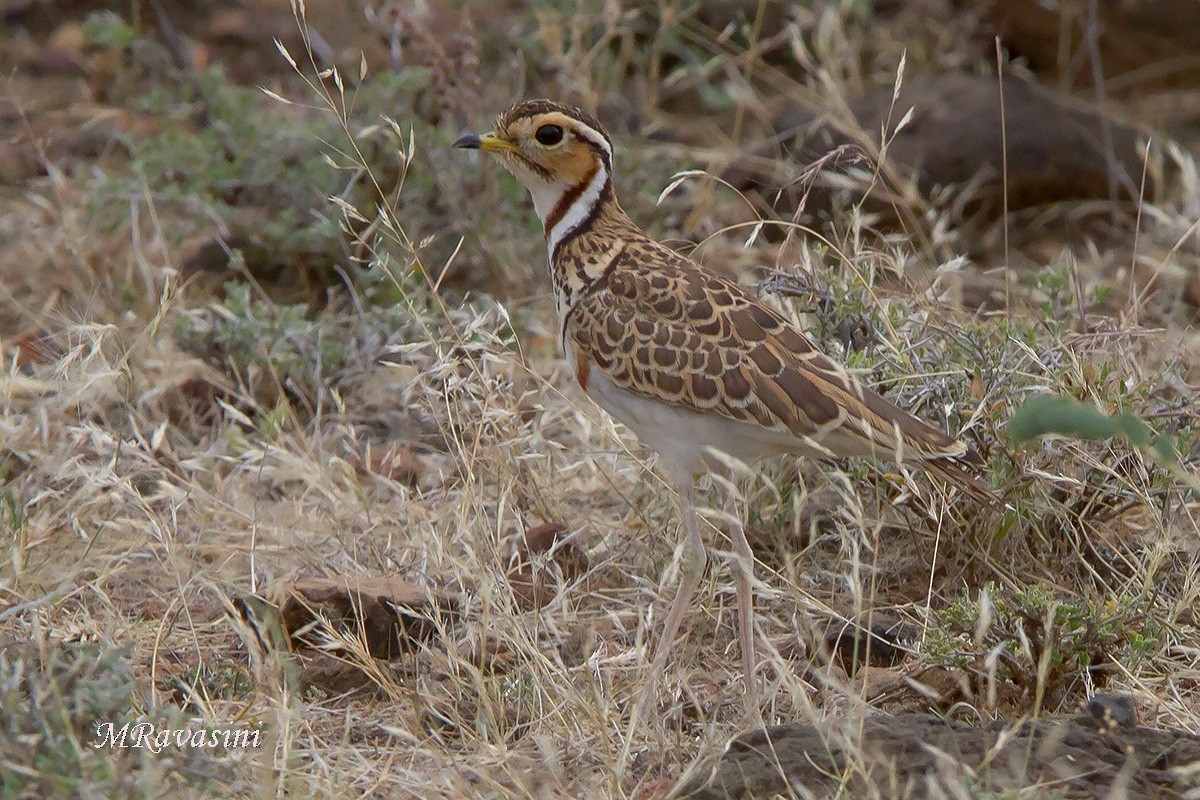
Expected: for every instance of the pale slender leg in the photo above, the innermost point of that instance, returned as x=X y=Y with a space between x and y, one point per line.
x=691 y=568
x=743 y=582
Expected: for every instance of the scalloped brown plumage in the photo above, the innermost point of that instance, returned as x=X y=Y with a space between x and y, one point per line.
x=660 y=327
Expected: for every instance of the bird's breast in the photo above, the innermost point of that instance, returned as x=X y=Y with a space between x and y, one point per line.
x=574 y=269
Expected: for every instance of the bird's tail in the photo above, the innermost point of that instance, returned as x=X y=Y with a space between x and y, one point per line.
x=951 y=471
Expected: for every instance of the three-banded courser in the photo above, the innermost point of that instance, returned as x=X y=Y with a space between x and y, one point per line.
x=688 y=360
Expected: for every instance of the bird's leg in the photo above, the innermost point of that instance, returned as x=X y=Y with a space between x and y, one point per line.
x=743 y=581
x=691 y=567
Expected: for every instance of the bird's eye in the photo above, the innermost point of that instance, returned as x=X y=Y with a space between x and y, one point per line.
x=549 y=135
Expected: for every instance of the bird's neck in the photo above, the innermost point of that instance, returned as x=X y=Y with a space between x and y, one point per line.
x=571 y=208
x=586 y=230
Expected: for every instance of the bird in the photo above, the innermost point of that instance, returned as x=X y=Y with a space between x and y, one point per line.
x=691 y=362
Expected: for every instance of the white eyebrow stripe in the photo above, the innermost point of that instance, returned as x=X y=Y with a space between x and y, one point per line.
x=585 y=131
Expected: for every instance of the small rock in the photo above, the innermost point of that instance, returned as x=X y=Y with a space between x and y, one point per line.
x=396 y=462
x=884 y=645
x=192 y=398
x=529 y=575
x=32 y=348
x=1113 y=711
x=394 y=615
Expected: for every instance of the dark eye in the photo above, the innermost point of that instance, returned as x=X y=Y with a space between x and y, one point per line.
x=549 y=135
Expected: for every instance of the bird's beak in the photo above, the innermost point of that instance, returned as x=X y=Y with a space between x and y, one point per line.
x=488 y=143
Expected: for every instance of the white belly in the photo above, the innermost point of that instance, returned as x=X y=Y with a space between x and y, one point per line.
x=684 y=439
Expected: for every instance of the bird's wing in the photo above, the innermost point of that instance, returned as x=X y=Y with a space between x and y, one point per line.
x=691 y=339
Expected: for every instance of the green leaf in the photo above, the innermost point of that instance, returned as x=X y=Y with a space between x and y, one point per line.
x=1046 y=413
x=107 y=29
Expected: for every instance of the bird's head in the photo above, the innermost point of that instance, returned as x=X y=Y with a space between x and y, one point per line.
x=557 y=152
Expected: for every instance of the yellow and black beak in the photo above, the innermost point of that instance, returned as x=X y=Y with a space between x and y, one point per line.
x=488 y=143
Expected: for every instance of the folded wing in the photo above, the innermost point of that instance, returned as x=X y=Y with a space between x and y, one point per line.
x=697 y=341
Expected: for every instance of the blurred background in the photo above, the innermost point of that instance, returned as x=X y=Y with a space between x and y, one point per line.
x=1101 y=103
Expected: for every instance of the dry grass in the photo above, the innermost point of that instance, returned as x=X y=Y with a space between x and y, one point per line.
x=168 y=450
